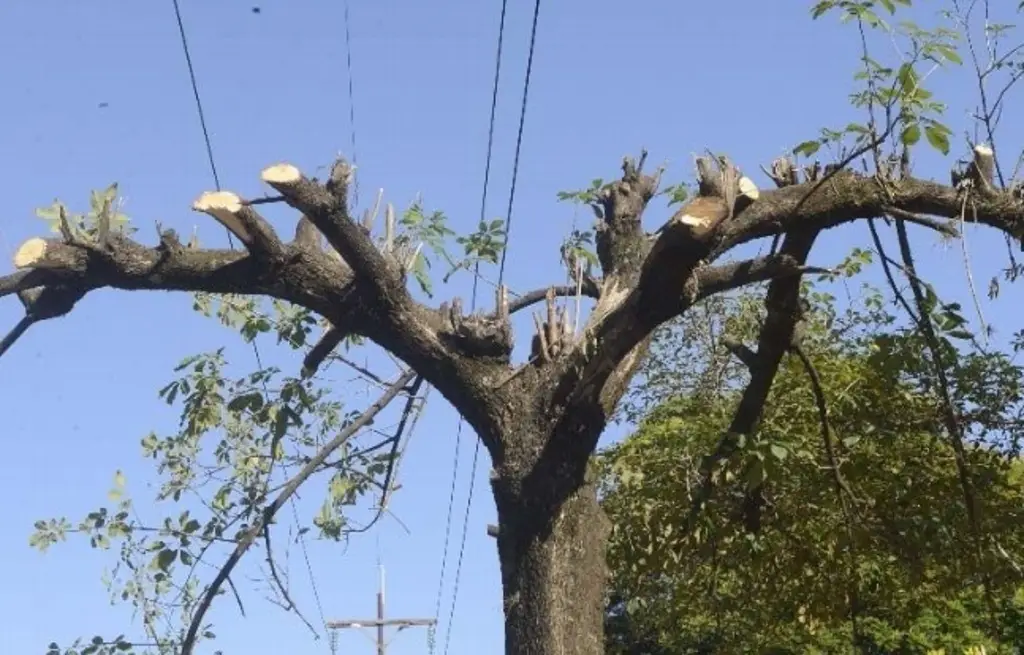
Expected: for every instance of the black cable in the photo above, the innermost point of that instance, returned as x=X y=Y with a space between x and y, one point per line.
x=231 y=243
x=448 y=521
x=199 y=102
x=462 y=548
x=519 y=141
x=351 y=108
x=501 y=269
x=458 y=433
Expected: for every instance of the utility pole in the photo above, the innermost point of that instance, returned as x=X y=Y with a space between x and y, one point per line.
x=380 y=623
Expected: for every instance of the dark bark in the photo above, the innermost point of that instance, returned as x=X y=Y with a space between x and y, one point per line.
x=541 y=422
x=552 y=538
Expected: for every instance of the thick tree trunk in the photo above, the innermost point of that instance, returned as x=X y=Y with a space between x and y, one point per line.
x=553 y=569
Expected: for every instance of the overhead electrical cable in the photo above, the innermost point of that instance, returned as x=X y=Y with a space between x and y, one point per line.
x=476 y=282
x=216 y=181
x=351 y=107
x=501 y=275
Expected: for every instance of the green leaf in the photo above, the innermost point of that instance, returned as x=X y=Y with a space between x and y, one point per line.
x=911 y=134
x=807 y=148
x=950 y=54
x=938 y=138
x=907 y=77
x=165 y=558
x=821 y=8
x=779 y=451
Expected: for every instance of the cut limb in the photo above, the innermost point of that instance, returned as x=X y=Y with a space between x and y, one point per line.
x=224 y=206
x=281 y=174
x=241 y=220
x=29 y=253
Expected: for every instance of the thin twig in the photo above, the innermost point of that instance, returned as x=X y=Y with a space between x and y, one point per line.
x=290 y=604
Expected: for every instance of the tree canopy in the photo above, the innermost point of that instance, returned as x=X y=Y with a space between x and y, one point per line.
x=880 y=546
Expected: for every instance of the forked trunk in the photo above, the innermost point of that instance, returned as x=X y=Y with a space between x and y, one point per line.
x=553 y=567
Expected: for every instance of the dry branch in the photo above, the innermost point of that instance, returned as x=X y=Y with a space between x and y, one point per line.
x=589 y=289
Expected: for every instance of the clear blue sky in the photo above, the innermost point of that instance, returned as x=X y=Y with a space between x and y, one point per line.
x=747 y=78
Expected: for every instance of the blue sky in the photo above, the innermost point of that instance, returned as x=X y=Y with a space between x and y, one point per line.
x=747 y=78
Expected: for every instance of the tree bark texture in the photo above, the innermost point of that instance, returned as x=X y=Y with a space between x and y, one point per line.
x=553 y=573
x=540 y=421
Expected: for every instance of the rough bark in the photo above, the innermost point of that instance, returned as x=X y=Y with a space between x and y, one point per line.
x=551 y=545
x=540 y=421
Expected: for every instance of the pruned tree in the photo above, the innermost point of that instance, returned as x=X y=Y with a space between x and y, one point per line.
x=540 y=421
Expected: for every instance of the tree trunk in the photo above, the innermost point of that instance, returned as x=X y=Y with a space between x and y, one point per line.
x=553 y=568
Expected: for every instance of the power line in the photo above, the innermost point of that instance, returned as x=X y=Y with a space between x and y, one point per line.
x=501 y=269
x=476 y=282
x=519 y=141
x=199 y=102
x=351 y=106
x=216 y=182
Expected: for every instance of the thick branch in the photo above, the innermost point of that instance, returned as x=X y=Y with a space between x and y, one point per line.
x=717 y=279
x=361 y=291
x=848 y=196
x=620 y=240
x=776 y=338
x=131 y=266
x=328 y=210
x=666 y=285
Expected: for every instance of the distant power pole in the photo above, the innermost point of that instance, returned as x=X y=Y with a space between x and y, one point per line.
x=380 y=622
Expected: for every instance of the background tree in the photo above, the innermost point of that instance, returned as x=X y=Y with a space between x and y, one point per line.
x=907 y=583
x=540 y=420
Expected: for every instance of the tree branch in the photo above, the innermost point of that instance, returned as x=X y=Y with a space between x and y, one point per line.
x=327 y=207
x=361 y=291
x=243 y=221
x=268 y=513
x=589 y=289
x=775 y=339
x=667 y=281
x=717 y=279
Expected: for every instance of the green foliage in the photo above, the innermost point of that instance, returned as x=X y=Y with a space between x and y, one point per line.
x=429 y=229
x=896 y=91
x=95 y=646
x=86 y=225
x=588 y=196
x=420 y=228
x=787 y=589
x=219 y=454
x=577 y=251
